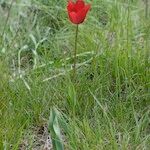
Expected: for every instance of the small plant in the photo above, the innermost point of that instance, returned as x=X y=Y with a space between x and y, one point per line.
x=54 y=129
x=77 y=13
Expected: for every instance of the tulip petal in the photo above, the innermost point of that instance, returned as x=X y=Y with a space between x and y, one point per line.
x=73 y=17
x=79 y=5
x=71 y=6
x=82 y=13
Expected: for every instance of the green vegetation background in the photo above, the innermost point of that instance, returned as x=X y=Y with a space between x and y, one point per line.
x=112 y=91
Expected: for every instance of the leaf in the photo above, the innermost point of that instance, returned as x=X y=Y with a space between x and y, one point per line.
x=72 y=94
x=54 y=129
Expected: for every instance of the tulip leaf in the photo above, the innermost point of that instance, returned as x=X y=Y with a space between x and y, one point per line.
x=54 y=129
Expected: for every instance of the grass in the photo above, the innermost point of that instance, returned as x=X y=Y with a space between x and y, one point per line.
x=108 y=107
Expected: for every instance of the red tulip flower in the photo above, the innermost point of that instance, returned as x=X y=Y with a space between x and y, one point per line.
x=77 y=11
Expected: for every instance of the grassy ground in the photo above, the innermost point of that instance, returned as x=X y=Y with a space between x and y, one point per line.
x=108 y=107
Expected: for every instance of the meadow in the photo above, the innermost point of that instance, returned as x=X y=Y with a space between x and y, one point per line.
x=107 y=107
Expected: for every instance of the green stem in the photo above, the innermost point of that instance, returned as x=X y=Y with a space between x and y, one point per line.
x=75 y=53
